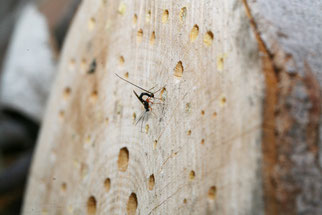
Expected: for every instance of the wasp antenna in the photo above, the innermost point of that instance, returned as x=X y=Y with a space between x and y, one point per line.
x=159 y=89
x=133 y=84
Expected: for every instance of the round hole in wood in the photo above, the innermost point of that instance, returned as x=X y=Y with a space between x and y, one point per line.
x=202 y=112
x=189 y=132
x=155 y=144
x=132 y=204
x=64 y=187
x=67 y=92
x=148 y=16
x=91 y=205
x=147 y=127
x=152 y=38
x=139 y=35
x=151 y=182
x=184 y=201
x=61 y=114
x=202 y=141
x=123 y=160
x=194 y=33
x=183 y=14
x=192 y=175
x=121 y=60
x=221 y=62
x=212 y=192
x=188 y=107
x=178 y=70
x=91 y=23
x=94 y=96
x=165 y=16
x=107 y=184
x=83 y=64
x=208 y=38
x=72 y=63
x=163 y=93
x=135 y=19
x=92 y=67
x=223 y=100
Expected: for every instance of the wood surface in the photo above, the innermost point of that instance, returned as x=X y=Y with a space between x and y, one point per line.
x=211 y=146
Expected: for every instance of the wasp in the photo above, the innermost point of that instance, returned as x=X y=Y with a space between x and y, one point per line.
x=146 y=98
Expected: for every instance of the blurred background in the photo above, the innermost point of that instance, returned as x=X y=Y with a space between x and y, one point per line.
x=32 y=33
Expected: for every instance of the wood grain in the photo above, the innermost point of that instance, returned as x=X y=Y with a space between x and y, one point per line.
x=199 y=152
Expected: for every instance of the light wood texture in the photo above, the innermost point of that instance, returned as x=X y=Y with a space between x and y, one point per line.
x=201 y=153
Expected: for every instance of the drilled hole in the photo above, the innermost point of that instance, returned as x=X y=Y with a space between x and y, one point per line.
x=155 y=143
x=67 y=92
x=139 y=35
x=83 y=64
x=121 y=60
x=163 y=94
x=126 y=75
x=72 y=63
x=183 y=14
x=61 y=114
x=184 y=201
x=178 y=70
x=165 y=16
x=107 y=184
x=194 y=33
x=92 y=67
x=148 y=16
x=202 y=141
x=192 y=175
x=220 y=62
x=188 y=107
x=132 y=204
x=122 y=8
x=91 y=23
x=189 y=132
x=123 y=160
x=212 y=193
x=202 y=112
x=223 y=100
x=208 y=38
x=135 y=19
x=64 y=187
x=152 y=38
x=91 y=205
x=94 y=96
x=151 y=182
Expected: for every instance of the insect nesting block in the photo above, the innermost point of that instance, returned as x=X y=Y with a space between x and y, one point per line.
x=200 y=149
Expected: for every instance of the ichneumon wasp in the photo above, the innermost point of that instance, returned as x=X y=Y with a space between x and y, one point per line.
x=146 y=98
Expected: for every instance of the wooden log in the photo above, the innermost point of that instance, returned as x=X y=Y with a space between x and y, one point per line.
x=228 y=136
